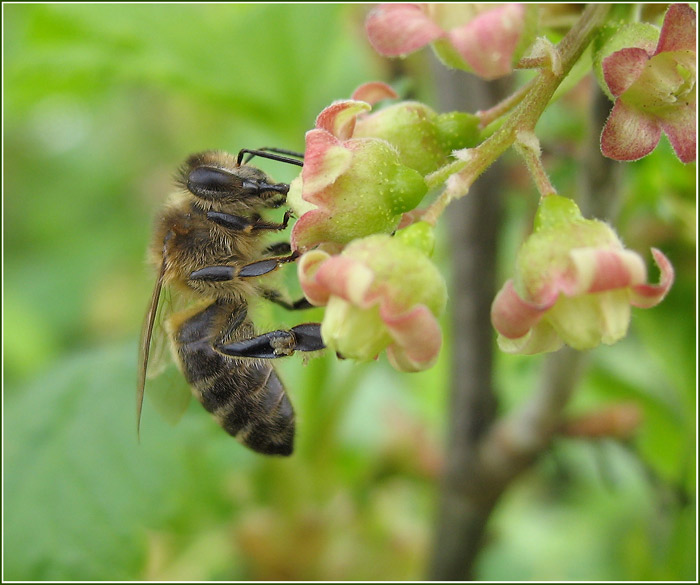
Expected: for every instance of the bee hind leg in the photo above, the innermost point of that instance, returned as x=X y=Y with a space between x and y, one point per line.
x=276 y=344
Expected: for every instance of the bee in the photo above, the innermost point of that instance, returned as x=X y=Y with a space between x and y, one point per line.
x=211 y=257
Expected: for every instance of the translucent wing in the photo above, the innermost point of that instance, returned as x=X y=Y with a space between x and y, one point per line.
x=169 y=392
x=166 y=386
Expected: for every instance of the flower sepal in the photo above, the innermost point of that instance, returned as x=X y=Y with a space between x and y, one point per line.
x=423 y=137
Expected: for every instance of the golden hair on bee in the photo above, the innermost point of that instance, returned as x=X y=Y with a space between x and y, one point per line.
x=209 y=248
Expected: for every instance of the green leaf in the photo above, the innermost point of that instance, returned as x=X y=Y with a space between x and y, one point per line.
x=82 y=497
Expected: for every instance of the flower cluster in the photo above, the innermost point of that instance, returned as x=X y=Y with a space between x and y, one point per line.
x=365 y=245
x=362 y=179
x=363 y=171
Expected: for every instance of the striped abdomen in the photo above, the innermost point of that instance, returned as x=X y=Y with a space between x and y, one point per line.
x=245 y=396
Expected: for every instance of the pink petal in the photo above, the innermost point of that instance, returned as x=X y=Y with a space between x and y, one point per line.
x=373 y=92
x=348 y=279
x=304 y=232
x=339 y=118
x=399 y=29
x=649 y=295
x=602 y=269
x=325 y=159
x=488 y=41
x=628 y=134
x=622 y=68
x=512 y=316
x=417 y=338
x=541 y=338
x=679 y=29
x=307 y=266
x=680 y=127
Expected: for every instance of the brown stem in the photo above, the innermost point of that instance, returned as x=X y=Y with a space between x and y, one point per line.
x=484 y=455
x=474 y=224
x=600 y=178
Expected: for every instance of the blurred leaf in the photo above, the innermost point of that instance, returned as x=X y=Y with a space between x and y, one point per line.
x=169 y=393
x=81 y=495
x=237 y=56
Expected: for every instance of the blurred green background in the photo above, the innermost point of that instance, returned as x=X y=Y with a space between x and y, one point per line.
x=102 y=103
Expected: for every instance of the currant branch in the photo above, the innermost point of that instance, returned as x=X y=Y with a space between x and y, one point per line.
x=524 y=117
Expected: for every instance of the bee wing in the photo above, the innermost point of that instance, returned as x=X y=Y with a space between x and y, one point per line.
x=159 y=353
x=145 y=345
x=167 y=387
x=169 y=392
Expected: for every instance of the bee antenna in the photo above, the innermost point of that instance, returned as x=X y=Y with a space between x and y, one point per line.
x=272 y=154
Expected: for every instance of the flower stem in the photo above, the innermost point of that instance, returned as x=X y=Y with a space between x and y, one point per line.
x=528 y=146
x=526 y=113
x=504 y=106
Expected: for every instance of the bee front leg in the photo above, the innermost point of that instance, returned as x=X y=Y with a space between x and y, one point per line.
x=276 y=344
x=239 y=223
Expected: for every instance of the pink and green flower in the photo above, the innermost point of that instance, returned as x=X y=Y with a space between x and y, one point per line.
x=381 y=292
x=485 y=39
x=363 y=171
x=653 y=85
x=575 y=283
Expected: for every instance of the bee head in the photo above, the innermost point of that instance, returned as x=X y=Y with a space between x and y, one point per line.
x=216 y=178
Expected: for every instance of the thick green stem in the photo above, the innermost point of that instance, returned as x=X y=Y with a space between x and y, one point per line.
x=526 y=115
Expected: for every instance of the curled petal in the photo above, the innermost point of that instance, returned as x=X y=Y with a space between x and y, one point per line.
x=680 y=127
x=348 y=279
x=488 y=41
x=601 y=269
x=417 y=338
x=339 y=118
x=649 y=295
x=307 y=227
x=307 y=266
x=678 y=32
x=628 y=134
x=622 y=68
x=325 y=160
x=399 y=29
x=373 y=92
x=540 y=339
x=513 y=316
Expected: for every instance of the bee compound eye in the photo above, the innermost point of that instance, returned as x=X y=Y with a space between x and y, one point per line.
x=207 y=182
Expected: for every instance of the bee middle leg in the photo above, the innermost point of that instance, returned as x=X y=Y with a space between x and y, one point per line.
x=224 y=272
x=277 y=298
x=279 y=249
